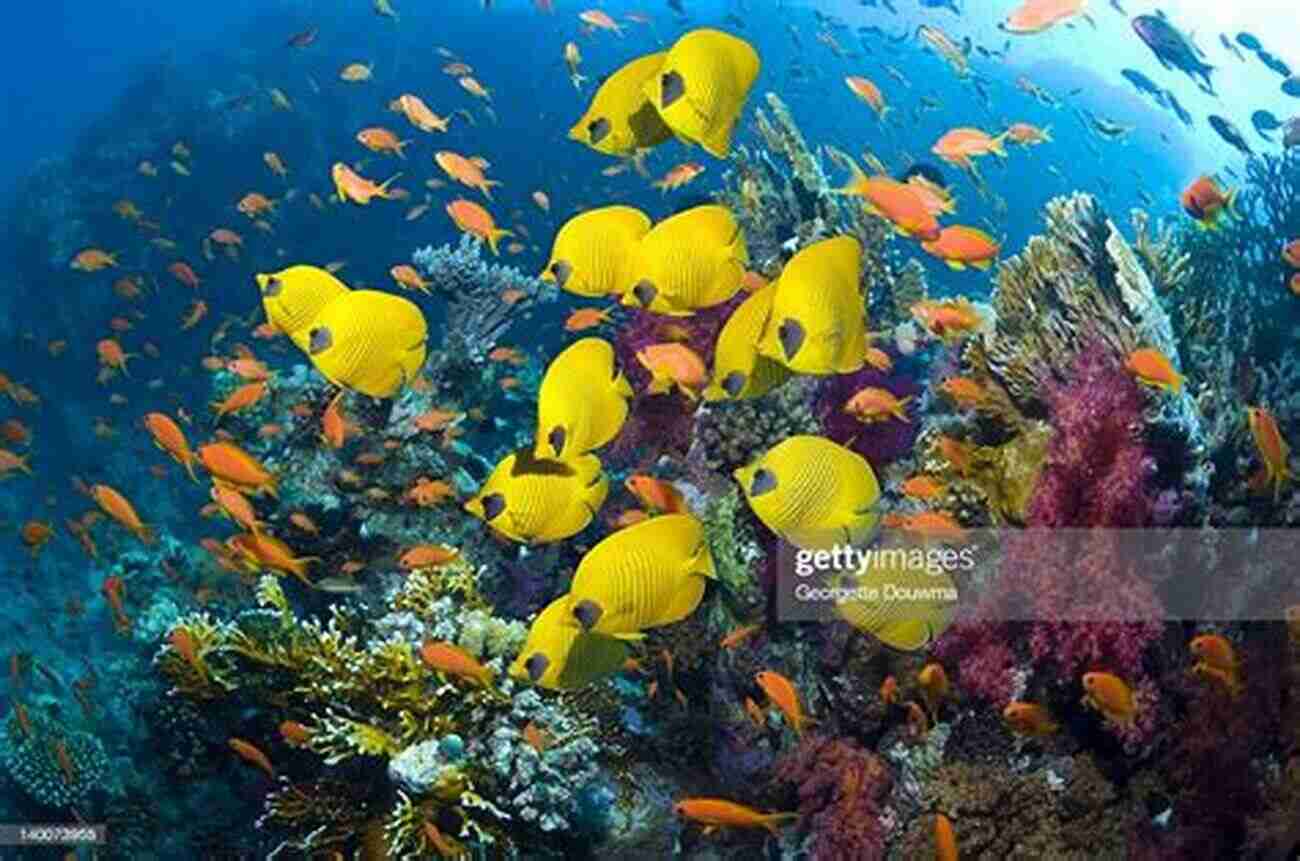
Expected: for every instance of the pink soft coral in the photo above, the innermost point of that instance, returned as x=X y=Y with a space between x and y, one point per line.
x=840 y=787
x=1083 y=602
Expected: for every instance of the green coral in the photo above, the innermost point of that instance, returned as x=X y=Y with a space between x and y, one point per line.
x=735 y=549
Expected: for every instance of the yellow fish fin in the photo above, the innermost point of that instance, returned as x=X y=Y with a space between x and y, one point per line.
x=955 y=265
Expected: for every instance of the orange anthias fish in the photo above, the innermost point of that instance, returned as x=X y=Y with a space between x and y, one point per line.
x=252 y=755
x=236 y=506
x=381 y=140
x=111 y=355
x=418 y=113
x=937 y=525
x=937 y=199
x=198 y=310
x=229 y=463
x=951 y=319
x=1217 y=660
x=869 y=93
x=1110 y=695
x=409 y=278
x=934 y=685
x=738 y=636
x=879 y=359
x=959 y=246
x=114 y=590
x=474 y=88
x=1028 y=135
x=474 y=219
x=873 y=404
x=334 y=428
x=116 y=506
x=466 y=171
x=350 y=185
x=586 y=318
x=922 y=487
x=656 y=494
x=1035 y=16
x=356 y=72
x=452 y=660
x=93 y=260
x=427 y=556
x=10 y=462
x=168 y=436
x=35 y=535
x=182 y=272
x=254 y=204
x=1272 y=447
x=959 y=146
x=1153 y=368
x=427 y=493
x=260 y=550
x=674 y=364
x=964 y=391
x=780 y=691
x=1029 y=719
x=1291 y=253
x=600 y=21
x=715 y=813
x=680 y=175
x=896 y=202
x=241 y=398
x=1207 y=202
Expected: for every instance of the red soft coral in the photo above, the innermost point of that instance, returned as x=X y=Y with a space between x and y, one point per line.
x=1084 y=602
x=840 y=787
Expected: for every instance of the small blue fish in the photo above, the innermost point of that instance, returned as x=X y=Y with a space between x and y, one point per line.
x=1291 y=86
x=1274 y=63
x=1230 y=134
x=1264 y=123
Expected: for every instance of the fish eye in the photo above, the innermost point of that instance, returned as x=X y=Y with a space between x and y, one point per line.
x=764 y=482
x=273 y=286
x=493 y=505
x=791 y=335
x=671 y=88
x=536 y=666
x=556 y=438
x=734 y=383
x=319 y=340
x=561 y=270
x=645 y=293
x=598 y=130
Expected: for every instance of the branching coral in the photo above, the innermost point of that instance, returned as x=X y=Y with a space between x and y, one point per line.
x=483 y=299
x=365 y=694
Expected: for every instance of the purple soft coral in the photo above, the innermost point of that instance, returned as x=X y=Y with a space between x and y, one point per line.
x=659 y=423
x=879 y=442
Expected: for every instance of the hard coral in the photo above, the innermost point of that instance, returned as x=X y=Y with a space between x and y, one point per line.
x=840 y=787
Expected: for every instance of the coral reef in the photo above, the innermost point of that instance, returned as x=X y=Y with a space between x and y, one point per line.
x=840 y=787
x=50 y=763
x=483 y=300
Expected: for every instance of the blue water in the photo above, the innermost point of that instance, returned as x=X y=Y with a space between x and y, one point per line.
x=94 y=89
